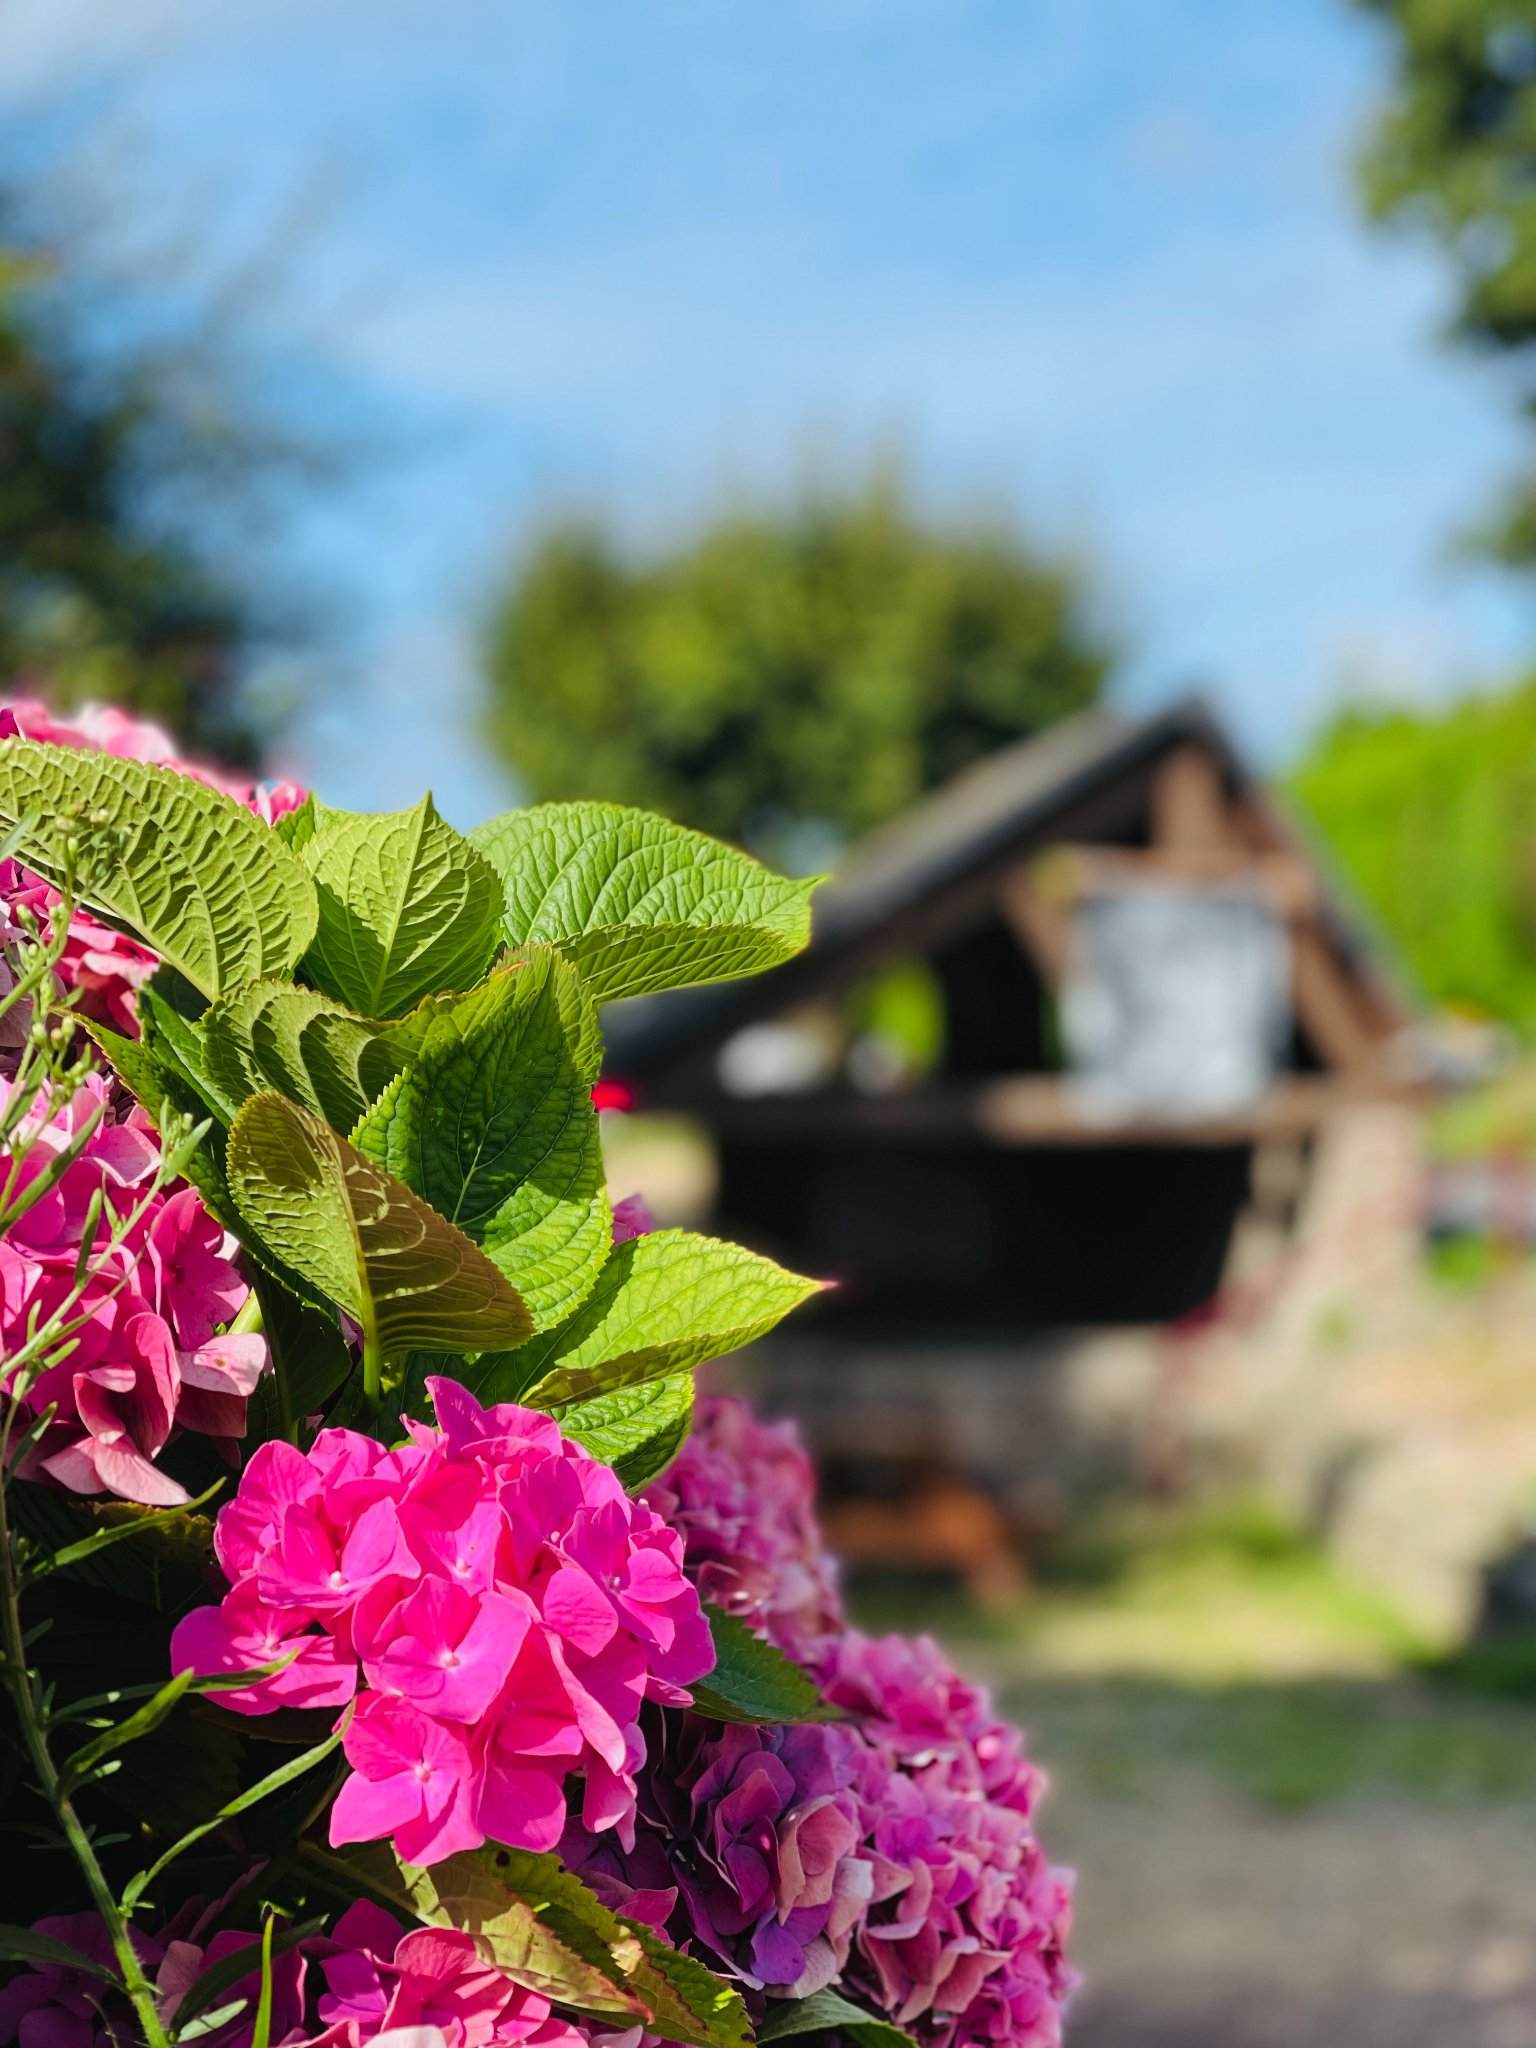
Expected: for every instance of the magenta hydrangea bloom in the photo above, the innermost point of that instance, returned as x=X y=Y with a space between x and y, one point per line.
x=148 y=1358
x=741 y=1494
x=930 y=1720
x=497 y=1605
x=632 y=1218
x=380 y=1978
x=49 y=2006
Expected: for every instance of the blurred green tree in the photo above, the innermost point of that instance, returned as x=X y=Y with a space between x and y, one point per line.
x=815 y=668
x=97 y=598
x=1452 y=154
x=1432 y=816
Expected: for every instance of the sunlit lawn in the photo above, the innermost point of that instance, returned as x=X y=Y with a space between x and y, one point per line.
x=1220 y=1644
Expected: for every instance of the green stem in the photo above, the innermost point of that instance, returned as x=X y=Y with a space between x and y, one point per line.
x=249 y=1322
x=373 y=1360
x=140 y=1992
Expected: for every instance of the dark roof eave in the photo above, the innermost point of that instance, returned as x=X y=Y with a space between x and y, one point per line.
x=1004 y=802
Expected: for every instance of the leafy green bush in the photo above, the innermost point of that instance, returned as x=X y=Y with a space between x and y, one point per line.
x=1431 y=816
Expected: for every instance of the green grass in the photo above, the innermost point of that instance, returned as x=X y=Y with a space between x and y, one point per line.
x=1211 y=1596
x=1220 y=1644
x=1286 y=1747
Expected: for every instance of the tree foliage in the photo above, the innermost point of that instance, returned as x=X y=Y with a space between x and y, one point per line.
x=97 y=598
x=825 y=665
x=1453 y=154
x=1432 y=817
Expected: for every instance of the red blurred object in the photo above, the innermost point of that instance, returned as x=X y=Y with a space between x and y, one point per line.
x=611 y=1094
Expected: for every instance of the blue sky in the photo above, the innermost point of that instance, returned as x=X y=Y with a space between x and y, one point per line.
x=1099 y=264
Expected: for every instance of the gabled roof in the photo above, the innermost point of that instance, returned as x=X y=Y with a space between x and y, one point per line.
x=1085 y=778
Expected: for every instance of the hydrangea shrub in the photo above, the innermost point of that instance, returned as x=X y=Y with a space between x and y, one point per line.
x=394 y=1652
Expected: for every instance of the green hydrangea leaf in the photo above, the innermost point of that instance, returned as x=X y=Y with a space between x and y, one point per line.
x=688 y=2002
x=311 y=1356
x=194 y=875
x=165 y=1093
x=170 y=1016
x=363 y=1238
x=662 y=1304
x=406 y=907
x=753 y=1681
x=164 y=1096
x=491 y=1894
x=638 y=1431
x=531 y=1918
x=308 y=1046
x=492 y=1122
x=827 y=2012
x=637 y=903
x=22 y=1945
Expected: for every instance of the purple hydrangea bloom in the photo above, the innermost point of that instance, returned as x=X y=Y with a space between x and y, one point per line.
x=741 y=1494
x=749 y=1849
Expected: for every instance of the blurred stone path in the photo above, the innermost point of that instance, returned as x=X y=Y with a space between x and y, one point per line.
x=1209 y=1917
x=1286 y=1837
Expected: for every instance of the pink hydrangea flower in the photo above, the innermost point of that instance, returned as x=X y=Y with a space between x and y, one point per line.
x=741 y=1494
x=632 y=1218
x=499 y=1606
x=931 y=1720
x=48 y=2006
x=104 y=968
x=380 y=1978
x=243 y=1635
x=148 y=1359
x=965 y=1939
x=415 y=1780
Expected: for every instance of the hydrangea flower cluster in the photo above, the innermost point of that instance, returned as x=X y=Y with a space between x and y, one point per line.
x=894 y=1854
x=52 y=2006
x=741 y=1494
x=502 y=1604
x=968 y=1922
x=379 y=1978
x=506 y=1641
x=750 y=1848
x=148 y=1357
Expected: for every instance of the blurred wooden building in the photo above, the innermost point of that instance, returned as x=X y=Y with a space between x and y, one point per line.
x=1058 y=1027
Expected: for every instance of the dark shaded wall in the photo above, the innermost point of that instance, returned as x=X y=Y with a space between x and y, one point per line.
x=942 y=1236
